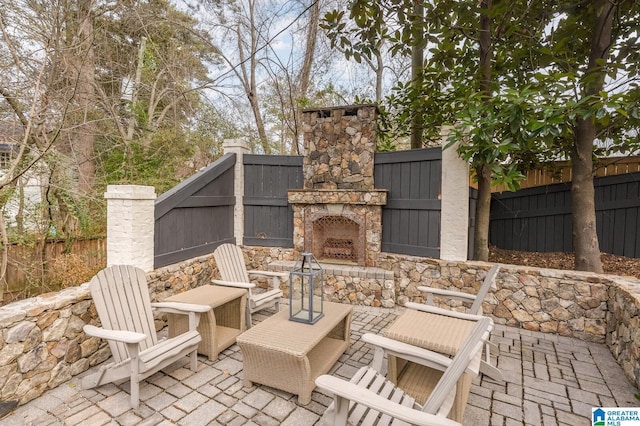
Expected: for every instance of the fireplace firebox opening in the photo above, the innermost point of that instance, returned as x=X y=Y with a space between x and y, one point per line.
x=337 y=238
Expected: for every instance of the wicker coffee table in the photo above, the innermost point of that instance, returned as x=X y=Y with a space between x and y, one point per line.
x=289 y=355
x=221 y=325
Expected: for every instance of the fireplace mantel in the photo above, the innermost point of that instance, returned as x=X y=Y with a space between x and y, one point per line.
x=372 y=197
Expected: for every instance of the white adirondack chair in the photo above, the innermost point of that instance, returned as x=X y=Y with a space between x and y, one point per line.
x=370 y=399
x=489 y=282
x=234 y=273
x=475 y=299
x=121 y=297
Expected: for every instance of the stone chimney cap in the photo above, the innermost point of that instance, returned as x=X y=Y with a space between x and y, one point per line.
x=341 y=107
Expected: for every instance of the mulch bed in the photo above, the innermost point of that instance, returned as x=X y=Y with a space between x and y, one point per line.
x=612 y=264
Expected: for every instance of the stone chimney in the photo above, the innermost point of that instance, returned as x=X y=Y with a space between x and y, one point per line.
x=338 y=214
x=339 y=143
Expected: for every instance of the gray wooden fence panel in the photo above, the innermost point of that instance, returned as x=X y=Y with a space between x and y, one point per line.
x=411 y=218
x=268 y=218
x=539 y=219
x=533 y=219
x=196 y=216
x=617 y=216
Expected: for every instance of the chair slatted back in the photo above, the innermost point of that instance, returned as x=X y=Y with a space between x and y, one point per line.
x=489 y=282
x=471 y=348
x=121 y=297
x=231 y=263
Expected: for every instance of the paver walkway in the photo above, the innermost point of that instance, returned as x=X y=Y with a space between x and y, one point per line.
x=549 y=380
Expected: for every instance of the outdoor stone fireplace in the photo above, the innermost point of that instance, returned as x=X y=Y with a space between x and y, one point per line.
x=337 y=216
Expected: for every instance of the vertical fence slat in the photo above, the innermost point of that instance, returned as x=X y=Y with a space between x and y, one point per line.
x=540 y=218
x=196 y=216
x=268 y=216
x=411 y=218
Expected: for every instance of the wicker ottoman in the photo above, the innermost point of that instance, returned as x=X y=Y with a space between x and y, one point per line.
x=438 y=333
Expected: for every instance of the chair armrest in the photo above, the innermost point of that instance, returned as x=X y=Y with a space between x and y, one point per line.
x=180 y=308
x=419 y=355
x=233 y=284
x=448 y=293
x=117 y=335
x=283 y=275
x=435 y=310
x=409 y=352
x=342 y=388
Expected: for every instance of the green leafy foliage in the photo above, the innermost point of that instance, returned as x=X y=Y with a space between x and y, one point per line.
x=521 y=82
x=156 y=165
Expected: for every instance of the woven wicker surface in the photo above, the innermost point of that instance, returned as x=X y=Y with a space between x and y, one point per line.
x=295 y=338
x=418 y=381
x=439 y=333
x=220 y=326
x=289 y=355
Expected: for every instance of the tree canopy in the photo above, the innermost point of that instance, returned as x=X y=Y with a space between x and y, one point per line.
x=521 y=82
x=143 y=92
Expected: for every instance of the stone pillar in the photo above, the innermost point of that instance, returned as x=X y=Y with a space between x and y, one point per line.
x=454 y=222
x=238 y=147
x=130 y=225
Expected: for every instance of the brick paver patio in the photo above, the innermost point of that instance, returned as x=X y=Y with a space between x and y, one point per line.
x=549 y=380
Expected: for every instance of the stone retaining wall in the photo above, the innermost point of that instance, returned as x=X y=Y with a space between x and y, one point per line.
x=42 y=343
x=355 y=285
x=623 y=326
x=592 y=307
x=567 y=303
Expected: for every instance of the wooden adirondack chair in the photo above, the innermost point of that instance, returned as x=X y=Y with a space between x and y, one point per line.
x=370 y=399
x=475 y=300
x=121 y=296
x=234 y=273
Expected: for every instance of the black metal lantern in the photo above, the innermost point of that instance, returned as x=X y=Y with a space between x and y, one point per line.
x=305 y=290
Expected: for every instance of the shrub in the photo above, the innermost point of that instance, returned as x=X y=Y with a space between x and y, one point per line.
x=69 y=270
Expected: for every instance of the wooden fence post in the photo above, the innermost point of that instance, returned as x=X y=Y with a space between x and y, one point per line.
x=238 y=147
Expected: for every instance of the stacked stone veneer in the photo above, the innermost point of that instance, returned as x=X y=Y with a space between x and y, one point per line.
x=623 y=326
x=567 y=303
x=339 y=143
x=42 y=343
x=354 y=285
x=312 y=205
x=338 y=169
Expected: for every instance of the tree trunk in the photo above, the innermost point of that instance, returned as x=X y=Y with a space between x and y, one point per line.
x=417 y=63
x=583 y=210
x=379 y=77
x=86 y=99
x=305 y=73
x=252 y=93
x=262 y=134
x=483 y=206
x=483 y=171
x=133 y=120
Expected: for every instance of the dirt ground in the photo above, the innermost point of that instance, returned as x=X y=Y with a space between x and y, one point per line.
x=617 y=265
